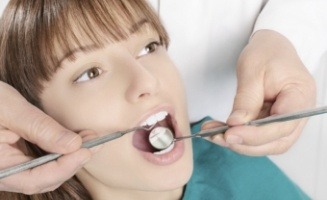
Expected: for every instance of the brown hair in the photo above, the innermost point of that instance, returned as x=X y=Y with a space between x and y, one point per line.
x=32 y=31
x=35 y=34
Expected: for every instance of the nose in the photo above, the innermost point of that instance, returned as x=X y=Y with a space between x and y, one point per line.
x=143 y=84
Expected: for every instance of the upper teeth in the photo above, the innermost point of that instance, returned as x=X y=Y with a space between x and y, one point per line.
x=153 y=119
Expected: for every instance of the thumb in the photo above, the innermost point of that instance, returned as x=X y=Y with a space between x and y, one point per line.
x=33 y=125
x=248 y=100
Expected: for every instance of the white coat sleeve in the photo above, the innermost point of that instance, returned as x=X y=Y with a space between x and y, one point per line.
x=303 y=22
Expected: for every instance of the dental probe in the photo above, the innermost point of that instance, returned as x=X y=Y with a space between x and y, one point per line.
x=50 y=157
x=162 y=139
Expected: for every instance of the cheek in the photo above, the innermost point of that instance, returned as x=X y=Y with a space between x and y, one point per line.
x=174 y=89
x=174 y=86
x=169 y=77
x=80 y=110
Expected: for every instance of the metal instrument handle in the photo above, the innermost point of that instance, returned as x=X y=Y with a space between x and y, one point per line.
x=50 y=157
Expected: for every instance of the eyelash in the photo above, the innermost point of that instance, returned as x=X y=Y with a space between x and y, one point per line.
x=149 y=48
x=89 y=74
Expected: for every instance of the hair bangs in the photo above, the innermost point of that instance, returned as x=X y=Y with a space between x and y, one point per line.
x=36 y=35
x=83 y=25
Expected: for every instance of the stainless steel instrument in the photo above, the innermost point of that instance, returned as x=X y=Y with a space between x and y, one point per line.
x=204 y=133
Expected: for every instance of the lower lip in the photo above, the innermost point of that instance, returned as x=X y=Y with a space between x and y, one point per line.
x=168 y=158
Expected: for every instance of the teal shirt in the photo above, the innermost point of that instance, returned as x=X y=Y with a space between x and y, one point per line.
x=222 y=174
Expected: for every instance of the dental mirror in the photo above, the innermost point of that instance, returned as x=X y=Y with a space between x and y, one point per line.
x=161 y=138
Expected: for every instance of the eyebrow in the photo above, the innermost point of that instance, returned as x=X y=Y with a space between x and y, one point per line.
x=138 y=25
x=70 y=55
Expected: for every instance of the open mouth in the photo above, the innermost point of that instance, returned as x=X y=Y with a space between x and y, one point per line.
x=141 y=137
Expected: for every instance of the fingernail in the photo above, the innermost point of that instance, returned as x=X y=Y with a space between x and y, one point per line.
x=219 y=140
x=238 y=116
x=233 y=139
x=211 y=124
x=68 y=139
x=203 y=126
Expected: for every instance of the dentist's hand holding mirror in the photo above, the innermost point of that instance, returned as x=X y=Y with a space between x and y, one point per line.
x=271 y=80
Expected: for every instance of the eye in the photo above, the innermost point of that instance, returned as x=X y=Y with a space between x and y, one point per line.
x=150 y=48
x=89 y=74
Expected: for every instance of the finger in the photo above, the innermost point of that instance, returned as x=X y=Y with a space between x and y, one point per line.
x=88 y=135
x=276 y=147
x=49 y=189
x=48 y=175
x=249 y=97
x=217 y=139
x=212 y=124
x=292 y=99
x=10 y=156
x=273 y=148
x=37 y=127
x=255 y=136
x=7 y=136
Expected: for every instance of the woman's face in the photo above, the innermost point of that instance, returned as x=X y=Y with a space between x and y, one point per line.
x=117 y=87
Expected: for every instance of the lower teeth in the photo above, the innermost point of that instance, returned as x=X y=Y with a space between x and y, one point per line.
x=168 y=149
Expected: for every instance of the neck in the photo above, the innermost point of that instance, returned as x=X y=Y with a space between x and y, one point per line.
x=100 y=191
x=139 y=195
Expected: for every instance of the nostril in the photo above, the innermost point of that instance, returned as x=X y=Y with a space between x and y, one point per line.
x=144 y=95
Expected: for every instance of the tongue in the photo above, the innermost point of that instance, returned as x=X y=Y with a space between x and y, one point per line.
x=141 y=141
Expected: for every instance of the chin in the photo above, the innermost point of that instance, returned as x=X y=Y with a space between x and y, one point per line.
x=174 y=176
x=175 y=181
x=180 y=181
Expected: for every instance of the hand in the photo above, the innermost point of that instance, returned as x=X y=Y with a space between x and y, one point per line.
x=271 y=80
x=19 y=119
